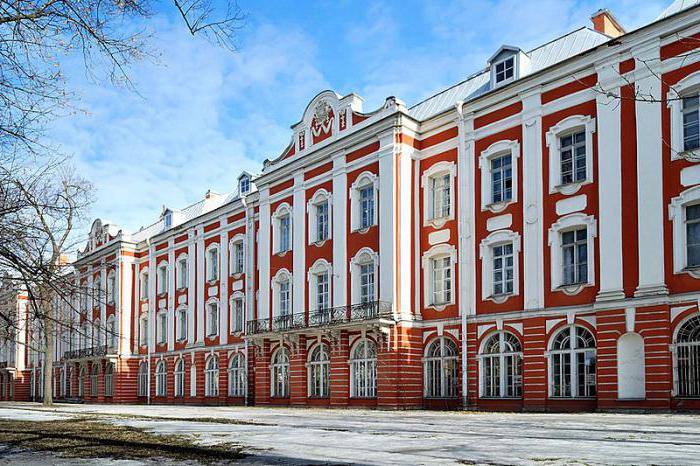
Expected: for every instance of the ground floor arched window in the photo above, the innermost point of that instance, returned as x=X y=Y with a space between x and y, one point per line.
x=500 y=366
x=82 y=376
x=62 y=382
x=236 y=376
x=363 y=370
x=142 y=384
x=162 y=379
x=211 y=377
x=572 y=363
x=94 y=376
x=440 y=369
x=180 y=378
x=319 y=372
x=279 y=374
x=687 y=355
x=109 y=379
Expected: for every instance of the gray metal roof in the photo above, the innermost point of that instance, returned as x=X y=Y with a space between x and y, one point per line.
x=677 y=6
x=541 y=57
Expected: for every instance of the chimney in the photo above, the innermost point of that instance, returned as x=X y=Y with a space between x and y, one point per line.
x=605 y=23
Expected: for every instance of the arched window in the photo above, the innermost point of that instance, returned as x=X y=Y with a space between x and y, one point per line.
x=181 y=323
x=111 y=287
x=112 y=341
x=441 y=369
x=363 y=370
x=94 y=373
x=109 y=379
x=143 y=285
x=319 y=372
x=364 y=276
x=82 y=375
x=501 y=359
x=572 y=364
x=69 y=382
x=161 y=378
x=279 y=374
x=688 y=358
x=98 y=333
x=211 y=377
x=236 y=376
x=180 y=378
x=62 y=382
x=212 y=318
x=142 y=386
x=212 y=263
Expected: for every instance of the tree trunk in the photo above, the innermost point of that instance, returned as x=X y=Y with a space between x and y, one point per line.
x=48 y=359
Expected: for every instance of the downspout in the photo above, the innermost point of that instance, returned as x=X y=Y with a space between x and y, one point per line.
x=462 y=187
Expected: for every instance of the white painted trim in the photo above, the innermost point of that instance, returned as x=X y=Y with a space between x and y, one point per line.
x=676 y=214
x=365 y=179
x=498 y=238
x=438 y=251
x=320 y=196
x=553 y=139
x=495 y=150
x=434 y=171
x=688 y=85
x=563 y=225
x=362 y=257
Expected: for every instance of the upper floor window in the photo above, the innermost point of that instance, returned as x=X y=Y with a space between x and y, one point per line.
x=143 y=285
x=237 y=312
x=322 y=221
x=438 y=193
x=162 y=327
x=97 y=291
x=505 y=70
x=162 y=278
x=692 y=231
x=363 y=195
x=143 y=330
x=212 y=263
x=320 y=285
x=237 y=256
x=364 y=268
x=182 y=324
x=570 y=145
x=501 y=179
x=111 y=287
x=212 y=318
x=499 y=175
x=284 y=296
x=438 y=269
x=282 y=229
x=684 y=212
x=244 y=185
x=181 y=272
x=683 y=100
x=282 y=293
x=571 y=241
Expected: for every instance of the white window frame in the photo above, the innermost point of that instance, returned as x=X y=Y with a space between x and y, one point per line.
x=143 y=330
x=438 y=251
x=494 y=151
x=688 y=85
x=162 y=378
x=111 y=287
x=178 y=322
x=162 y=278
x=432 y=362
x=365 y=179
x=553 y=140
x=236 y=375
x=564 y=224
x=363 y=369
x=282 y=210
x=179 y=372
x=181 y=278
x=319 y=267
x=494 y=82
x=144 y=280
x=212 y=330
x=500 y=357
x=211 y=377
x=320 y=196
x=162 y=332
x=279 y=369
x=141 y=379
x=676 y=214
x=321 y=368
x=364 y=256
x=112 y=334
x=281 y=276
x=433 y=172
x=210 y=270
x=238 y=239
x=571 y=352
x=237 y=296
x=498 y=238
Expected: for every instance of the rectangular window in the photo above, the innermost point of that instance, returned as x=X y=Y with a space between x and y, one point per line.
x=182 y=273
x=144 y=286
x=111 y=289
x=162 y=279
x=441 y=196
x=503 y=269
x=237 y=259
x=163 y=329
x=574 y=257
x=691 y=122
x=285 y=234
x=182 y=324
x=366 y=207
x=143 y=336
x=213 y=320
x=367 y=283
x=213 y=270
x=501 y=179
x=442 y=280
x=284 y=299
x=573 y=157
x=505 y=70
x=692 y=231
x=322 y=294
x=237 y=315
x=322 y=221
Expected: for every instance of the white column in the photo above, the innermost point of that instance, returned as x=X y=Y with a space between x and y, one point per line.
x=386 y=219
x=171 y=294
x=199 y=262
x=299 y=244
x=403 y=230
x=223 y=284
x=609 y=181
x=123 y=304
x=533 y=235
x=103 y=303
x=340 y=247
x=264 y=254
x=152 y=302
x=136 y=318
x=191 y=282
x=249 y=264
x=649 y=174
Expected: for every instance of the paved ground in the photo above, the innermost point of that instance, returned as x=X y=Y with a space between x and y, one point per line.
x=314 y=436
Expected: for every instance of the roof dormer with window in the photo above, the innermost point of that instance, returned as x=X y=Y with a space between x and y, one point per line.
x=508 y=64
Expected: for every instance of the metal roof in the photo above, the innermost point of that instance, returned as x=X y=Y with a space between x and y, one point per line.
x=677 y=6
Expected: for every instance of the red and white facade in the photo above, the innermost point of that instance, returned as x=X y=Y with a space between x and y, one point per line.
x=523 y=240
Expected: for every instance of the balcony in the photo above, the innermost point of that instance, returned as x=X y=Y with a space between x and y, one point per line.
x=92 y=352
x=336 y=316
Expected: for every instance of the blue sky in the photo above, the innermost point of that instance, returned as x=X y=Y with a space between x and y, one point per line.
x=202 y=114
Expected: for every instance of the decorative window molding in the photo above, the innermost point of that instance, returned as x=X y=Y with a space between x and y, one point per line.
x=439 y=252
x=677 y=215
x=213 y=262
x=440 y=369
x=281 y=277
x=364 y=257
x=237 y=311
x=504 y=71
x=553 y=138
x=318 y=371
x=318 y=227
x=213 y=317
x=571 y=349
x=500 y=366
x=674 y=101
x=357 y=214
x=111 y=287
x=162 y=327
x=162 y=277
x=182 y=316
x=143 y=285
x=237 y=255
x=181 y=277
x=321 y=267
x=431 y=196
x=143 y=330
x=282 y=242
x=494 y=151
x=563 y=225
x=486 y=252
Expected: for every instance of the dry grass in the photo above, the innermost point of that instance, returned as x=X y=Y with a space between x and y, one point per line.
x=84 y=438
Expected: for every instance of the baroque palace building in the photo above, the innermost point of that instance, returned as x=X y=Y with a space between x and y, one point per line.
x=527 y=239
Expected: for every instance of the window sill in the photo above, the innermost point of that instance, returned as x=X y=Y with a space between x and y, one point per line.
x=439 y=306
x=363 y=230
x=320 y=243
x=692 y=155
x=692 y=271
x=500 y=397
x=498 y=207
x=500 y=298
x=569 y=188
x=438 y=222
x=573 y=289
x=236 y=275
x=282 y=253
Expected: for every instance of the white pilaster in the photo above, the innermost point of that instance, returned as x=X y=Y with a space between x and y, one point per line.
x=386 y=213
x=250 y=265
x=404 y=230
x=533 y=180
x=299 y=244
x=103 y=303
x=339 y=224
x=171 y=294
x=135 y=319
x=264 y=255
x=200 y=259
x=152 y=300
x=191 y=281
x=223 y=284
x=123 y=304
x=609 y=181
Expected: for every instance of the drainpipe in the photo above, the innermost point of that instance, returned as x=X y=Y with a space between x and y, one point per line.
x=462 y=223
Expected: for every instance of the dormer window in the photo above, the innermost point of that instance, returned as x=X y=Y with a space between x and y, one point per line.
x=168 y=219
x=505 y=70
x=244 y=185
x=508 y=64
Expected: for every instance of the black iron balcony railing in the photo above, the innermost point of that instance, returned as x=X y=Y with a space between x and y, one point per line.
x=322 y=318
x=3 y=364
x=94 y=351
